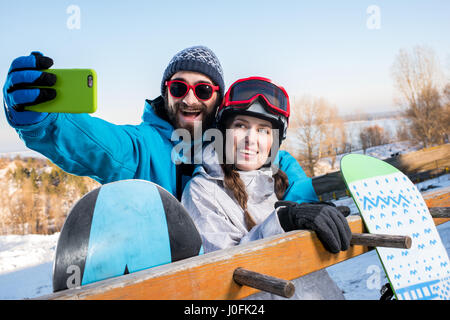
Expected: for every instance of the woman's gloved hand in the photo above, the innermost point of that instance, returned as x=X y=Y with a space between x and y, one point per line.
x=325 y=219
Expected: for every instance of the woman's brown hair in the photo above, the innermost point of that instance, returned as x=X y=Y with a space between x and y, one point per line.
x=234 y=183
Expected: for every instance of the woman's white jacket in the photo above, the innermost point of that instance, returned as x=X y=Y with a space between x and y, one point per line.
x=221 y=223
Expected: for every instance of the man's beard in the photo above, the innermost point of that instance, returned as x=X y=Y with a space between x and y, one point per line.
x=207 y=119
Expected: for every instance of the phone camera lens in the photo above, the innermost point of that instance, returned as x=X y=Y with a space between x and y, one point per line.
x=90 y=81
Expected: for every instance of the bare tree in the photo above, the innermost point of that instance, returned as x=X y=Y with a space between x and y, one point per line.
x=446 y=116
x=418 y=79
x=337 y=137
x=373 y=136
x=364 y=139
x=314 y=133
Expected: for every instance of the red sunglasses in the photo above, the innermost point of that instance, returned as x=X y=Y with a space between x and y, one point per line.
x=245 y=91
x=179 y=89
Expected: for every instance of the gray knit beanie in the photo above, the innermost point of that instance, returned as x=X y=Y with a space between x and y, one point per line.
x=199 y=59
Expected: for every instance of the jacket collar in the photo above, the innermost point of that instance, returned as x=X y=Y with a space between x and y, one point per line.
x=151 y=116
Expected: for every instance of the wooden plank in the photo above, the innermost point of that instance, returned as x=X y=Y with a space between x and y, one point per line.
x=438 y=198
x=422 y=160
x=210 y=276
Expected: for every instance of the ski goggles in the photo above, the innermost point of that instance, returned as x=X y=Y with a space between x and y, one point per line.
x=245 y=91
x=179 y=89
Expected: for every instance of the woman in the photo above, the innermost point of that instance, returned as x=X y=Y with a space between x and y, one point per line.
x=232 y=201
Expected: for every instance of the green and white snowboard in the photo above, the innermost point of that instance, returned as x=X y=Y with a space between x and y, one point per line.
x=389 y=203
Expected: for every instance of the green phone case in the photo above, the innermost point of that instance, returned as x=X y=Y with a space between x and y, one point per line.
x=76 y=92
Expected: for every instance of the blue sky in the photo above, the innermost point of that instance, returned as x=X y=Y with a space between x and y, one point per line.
x=322 y=48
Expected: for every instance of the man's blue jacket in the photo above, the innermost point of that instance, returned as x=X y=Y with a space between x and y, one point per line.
x=88 y=146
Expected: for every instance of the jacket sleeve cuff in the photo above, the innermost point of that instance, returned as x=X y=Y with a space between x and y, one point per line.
x=285 y=219
x=35 y=129
x=269 y=227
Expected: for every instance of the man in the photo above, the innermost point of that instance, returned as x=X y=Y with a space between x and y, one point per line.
x=88 y=146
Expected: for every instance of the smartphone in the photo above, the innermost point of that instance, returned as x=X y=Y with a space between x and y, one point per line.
x=76 y=92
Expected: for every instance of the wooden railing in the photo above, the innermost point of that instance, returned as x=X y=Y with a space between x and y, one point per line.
x=210 y=276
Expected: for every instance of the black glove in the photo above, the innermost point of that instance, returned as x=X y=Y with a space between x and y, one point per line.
x=326 y=220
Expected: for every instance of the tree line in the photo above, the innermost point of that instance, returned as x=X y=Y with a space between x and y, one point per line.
x=37 y=195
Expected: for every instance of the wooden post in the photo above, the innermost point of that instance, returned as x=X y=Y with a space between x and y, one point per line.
x=263 y=282
x=381 y=240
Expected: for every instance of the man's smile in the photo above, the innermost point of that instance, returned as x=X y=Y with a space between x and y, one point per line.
x=189 y=115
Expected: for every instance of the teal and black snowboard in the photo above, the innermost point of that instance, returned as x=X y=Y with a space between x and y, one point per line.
x=119 y=228
x=389 y=203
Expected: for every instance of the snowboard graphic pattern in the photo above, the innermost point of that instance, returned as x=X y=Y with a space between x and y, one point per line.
x=391 y=204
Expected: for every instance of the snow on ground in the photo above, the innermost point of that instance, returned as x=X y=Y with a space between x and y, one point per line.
x=26 y=262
